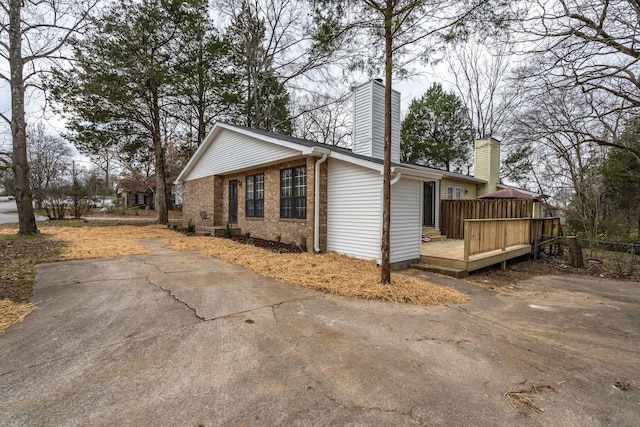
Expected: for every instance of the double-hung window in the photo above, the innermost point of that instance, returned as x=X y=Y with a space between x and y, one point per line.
x=455 y=192
x=293 y=192
x=255 y=196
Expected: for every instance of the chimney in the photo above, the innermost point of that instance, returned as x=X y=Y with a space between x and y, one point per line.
x=368 y=121
x=486 y=163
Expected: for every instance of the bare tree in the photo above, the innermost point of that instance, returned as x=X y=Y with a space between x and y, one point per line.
x=278 y=52
x=481 y=75
x=49 y=159
x=567 y=160
x=593 y=45
x=324 y=118
x=32 y=35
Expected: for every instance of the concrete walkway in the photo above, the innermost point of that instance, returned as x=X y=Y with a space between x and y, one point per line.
x=179 y=339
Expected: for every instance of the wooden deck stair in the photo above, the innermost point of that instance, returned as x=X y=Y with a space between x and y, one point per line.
x=434 y=235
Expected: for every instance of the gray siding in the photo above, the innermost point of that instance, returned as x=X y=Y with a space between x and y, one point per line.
x=406 y=220
x=353 y=210
x=233 y=151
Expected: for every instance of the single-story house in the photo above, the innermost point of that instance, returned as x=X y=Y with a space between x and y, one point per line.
x=323 y=197
x=136 y=191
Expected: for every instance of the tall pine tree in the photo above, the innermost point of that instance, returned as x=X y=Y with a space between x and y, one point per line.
x=437 y=131
x=125 y=75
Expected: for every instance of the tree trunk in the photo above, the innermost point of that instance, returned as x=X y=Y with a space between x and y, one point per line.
x=575 y=253
x=158 y=150
x=386 y=193
x=26 y=216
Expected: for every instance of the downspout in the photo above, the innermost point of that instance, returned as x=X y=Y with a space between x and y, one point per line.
x=316 y=204
x=396 y=178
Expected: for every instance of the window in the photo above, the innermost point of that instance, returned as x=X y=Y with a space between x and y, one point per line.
x=455 y=192
x=293 y=192
x=255 y=196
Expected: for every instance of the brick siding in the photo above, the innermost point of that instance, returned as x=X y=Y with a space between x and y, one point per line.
x=197 y=196
x=211 y=194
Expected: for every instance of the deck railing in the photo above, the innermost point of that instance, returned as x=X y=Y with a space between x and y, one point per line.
x=454 y=212
x=486 y=235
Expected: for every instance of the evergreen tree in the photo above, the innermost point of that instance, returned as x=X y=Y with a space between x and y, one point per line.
x=437 y=132
x=264 y=99
x=123 y=84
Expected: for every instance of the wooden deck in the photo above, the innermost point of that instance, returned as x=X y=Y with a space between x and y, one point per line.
x=486 y=242
x=450 y=255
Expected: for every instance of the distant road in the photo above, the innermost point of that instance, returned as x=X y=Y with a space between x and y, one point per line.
x=9 y=213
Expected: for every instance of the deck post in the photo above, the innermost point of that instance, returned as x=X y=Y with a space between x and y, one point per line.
x=504 y=235
x=467 y=240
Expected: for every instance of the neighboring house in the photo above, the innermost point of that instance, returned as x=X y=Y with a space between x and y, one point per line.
x=323 y=197
x=136 y=192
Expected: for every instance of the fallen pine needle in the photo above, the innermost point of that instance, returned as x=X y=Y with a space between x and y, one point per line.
x=13 y=312
x=330 y=272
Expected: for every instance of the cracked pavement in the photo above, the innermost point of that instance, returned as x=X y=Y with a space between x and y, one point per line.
x=173 y=338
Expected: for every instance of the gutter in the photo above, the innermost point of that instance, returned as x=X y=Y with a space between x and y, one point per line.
x=396 y=178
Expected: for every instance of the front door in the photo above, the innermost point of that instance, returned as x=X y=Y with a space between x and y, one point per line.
x=429 y=204
x=233 y=202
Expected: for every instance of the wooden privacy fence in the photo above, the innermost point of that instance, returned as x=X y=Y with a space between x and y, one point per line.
x=545 y=227
x=486 y=235
x=454 y=212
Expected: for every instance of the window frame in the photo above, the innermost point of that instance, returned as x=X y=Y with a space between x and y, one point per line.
x=292 y=203
x=453 y=188
x=254 y=205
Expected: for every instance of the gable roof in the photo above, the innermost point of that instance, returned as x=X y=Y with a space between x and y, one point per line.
x=308 y=147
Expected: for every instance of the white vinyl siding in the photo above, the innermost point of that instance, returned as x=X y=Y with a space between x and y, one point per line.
x=353 y=210
x=395 y=127
x=406 y=220
x=232 y=151
x=362 y=121
x=368 y=121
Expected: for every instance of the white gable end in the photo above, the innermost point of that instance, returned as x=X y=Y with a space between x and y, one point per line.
x=231 y=151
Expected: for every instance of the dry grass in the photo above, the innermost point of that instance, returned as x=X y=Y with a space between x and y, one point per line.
x=105 y=242
x=12 y=312
x=524 y=398
x=334 y=273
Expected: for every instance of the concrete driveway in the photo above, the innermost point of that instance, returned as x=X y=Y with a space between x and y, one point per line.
x=179 y=339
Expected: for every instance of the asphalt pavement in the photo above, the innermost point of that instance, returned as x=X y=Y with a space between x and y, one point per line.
x=180 y=339
x=9 y=213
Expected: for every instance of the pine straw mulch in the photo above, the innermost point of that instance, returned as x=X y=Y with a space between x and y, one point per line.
x=105 y=241
x=12 y=312
x=331 y=272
